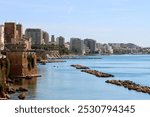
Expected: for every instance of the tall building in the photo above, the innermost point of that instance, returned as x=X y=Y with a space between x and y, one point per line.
x=77 y=46
x=10 y=32
x=13 y=37
x=91 y=44
x=46 y=37
x=36 y=35
x=60 y=41
x=52 y=38
x=53 y=42
x=1 y=37
x=19 y=31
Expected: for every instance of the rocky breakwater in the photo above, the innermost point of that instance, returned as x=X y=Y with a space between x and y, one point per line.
x=130 y=85
x=77 y=66
x=93 y=72
x=97 y=73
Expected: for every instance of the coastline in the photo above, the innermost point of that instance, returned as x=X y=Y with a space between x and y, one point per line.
x=92 y=63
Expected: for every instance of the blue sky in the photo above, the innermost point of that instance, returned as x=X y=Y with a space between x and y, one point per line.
x=103 y=20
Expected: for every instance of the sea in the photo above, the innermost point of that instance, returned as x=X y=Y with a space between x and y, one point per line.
x=60 y=81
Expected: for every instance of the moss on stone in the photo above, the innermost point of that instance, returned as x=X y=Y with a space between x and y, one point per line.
x=8 y=67
x=31 y=63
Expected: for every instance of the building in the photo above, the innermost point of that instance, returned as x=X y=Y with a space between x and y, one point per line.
x=12 y=32
x=19 y=31
x=21 y=60
x=90 y=44
x=60 y=41
x=36 y=35
x=22 y=44
x=1 y=37
x=46 y=37
x=52 y=38
x=67 y=45
x=52 y=42
x=77 y=46
x=99 y=47
x=13 y=37
x=9 y=31
x=108 y=49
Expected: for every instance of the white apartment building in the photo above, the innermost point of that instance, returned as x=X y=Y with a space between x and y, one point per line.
x=1 y=37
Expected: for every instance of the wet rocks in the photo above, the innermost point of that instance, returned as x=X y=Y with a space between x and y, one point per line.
x=4 y=96
x=11 y=90
x=77 y=66
x=97 y=73
x=9 y=81
x=130 y=85
x=22 y=96
x=3 y=93
x=21 y=89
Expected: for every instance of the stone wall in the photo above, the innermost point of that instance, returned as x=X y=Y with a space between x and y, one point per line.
x=3 y=70
x=22 y=64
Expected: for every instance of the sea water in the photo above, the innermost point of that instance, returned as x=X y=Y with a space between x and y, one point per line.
x=60 y=81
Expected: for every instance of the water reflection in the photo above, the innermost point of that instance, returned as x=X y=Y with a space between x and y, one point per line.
x=60 y=81
x=30 y=84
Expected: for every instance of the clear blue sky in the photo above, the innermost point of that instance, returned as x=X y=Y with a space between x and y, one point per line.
x=103 y=20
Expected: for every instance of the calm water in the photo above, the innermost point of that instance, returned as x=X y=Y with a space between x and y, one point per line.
x=60 y=81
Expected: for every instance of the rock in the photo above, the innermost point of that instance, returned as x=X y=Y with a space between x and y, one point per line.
x=11 y=90
x=139 y=90
x=17 y=90
x=97 y=73
x=7 y=96
x=1 y=88
x=107 y=81
x=130 y=85
x=9 y=81
x=77 y=66
x=22 y=96
x=4 y=96
x=21 y=89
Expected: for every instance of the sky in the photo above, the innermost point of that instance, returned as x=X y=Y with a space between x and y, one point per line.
x=106 y=21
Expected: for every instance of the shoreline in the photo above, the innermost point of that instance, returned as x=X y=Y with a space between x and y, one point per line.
x=85 y=81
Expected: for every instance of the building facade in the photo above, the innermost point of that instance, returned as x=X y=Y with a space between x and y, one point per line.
x=1 y=37
x=77 y=46
x=36 y=35
x=52 y=38
x=10 y=32
x=60 y=41
x=46 y=37
x=90 y=44
x=52 y=42
x=19 y=31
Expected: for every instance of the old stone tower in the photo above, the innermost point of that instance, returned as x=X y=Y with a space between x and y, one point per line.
x=22 y=63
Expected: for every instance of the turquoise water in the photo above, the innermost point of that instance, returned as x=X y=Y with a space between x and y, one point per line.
x=60 y=81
